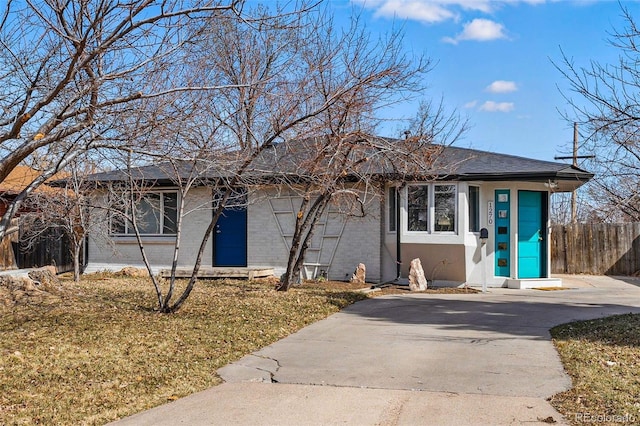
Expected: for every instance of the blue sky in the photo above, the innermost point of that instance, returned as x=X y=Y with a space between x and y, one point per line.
x=494 y=61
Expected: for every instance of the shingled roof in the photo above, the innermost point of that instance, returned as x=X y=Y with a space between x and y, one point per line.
x=452 y=163
x=21 y=177
x=470 y=164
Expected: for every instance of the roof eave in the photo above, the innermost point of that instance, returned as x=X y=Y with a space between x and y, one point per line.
x=560 y=181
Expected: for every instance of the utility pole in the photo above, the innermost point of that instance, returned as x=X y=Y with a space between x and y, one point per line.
x=575 y=156
x=574 y=201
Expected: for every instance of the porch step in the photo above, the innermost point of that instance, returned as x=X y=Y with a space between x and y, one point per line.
x=534 y=283
x=221 y=272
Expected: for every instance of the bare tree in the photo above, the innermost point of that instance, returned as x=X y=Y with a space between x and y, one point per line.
x=280 y=77
x=133 y=202
x=348 y=170
x=66 y=208
x=608 y=109
x=73 y=72
x=324 y=90
x=587 y=210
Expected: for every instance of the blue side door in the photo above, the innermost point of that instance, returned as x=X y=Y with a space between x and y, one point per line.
x=531 y=232
x=230 y=238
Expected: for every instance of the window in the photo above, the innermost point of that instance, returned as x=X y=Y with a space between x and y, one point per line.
x=391 y=202
x=445 y=208
x=156 y=214
x=432 y=208
x=474 y=209
x=418 y=207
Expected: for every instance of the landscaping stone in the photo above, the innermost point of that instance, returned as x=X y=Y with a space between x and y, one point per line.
x=359 y=276
x=417 y=280
x=129 y=271
x=35 y=286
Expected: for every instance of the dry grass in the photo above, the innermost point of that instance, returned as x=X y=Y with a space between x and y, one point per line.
x=603 y=358
x=96 y=351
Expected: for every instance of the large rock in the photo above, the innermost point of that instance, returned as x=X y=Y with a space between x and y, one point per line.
x=45 y=276
x=360 y=274
x=417 y=280
x=130 y=271
x=37 y=286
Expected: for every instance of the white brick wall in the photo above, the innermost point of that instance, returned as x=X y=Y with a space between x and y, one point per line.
x=159 y=250
x=265 y=246
x=360 y=240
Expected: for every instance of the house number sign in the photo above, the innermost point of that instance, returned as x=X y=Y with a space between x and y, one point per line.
x=490 y=213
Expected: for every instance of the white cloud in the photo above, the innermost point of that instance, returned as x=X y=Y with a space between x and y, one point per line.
x=429 y=11
x=471 y=104
x=491 y=106
x=416 y=10
x=432 y=11
x=502 y=86
x=480 y=30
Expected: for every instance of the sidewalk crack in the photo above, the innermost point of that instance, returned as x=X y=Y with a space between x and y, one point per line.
x=271 y=373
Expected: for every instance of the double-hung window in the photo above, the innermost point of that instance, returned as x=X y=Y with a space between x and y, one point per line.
x=156 y=213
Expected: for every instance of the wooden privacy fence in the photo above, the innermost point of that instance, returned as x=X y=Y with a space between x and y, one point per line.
x=52 y=248
x=596 y=248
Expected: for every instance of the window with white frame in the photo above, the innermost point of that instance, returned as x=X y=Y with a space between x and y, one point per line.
x=445 y=208
x=474 y=209
x=156 y=214
x=418 y=207
x=432 y=207
x=392 y=208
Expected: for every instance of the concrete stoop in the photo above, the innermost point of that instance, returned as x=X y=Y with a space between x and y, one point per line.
x=533 y=283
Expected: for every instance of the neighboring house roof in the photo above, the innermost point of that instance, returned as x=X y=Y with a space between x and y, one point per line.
x=452 y=163
x=17 y=180
x=20 y=177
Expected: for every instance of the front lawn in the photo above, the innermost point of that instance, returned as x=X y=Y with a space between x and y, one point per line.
x=96 y=351
x=602 y=357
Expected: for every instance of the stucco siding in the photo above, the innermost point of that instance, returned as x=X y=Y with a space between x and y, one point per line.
x=477 y=273
x=440 y=261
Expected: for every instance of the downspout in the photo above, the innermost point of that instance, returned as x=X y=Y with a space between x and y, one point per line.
x=398 y=248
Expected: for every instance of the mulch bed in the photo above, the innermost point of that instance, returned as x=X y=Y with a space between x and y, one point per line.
x=386 y=289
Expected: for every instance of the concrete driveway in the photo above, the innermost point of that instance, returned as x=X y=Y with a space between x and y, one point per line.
x=410 y=359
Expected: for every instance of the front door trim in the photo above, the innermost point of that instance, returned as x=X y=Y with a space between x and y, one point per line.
x=230 y=238
x=502 y=233
x=532 y=233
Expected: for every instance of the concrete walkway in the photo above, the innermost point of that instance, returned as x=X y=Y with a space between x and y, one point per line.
x=477 y=359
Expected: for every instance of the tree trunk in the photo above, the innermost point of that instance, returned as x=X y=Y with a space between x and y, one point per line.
x=76 y=261
x=311 y=227
x=305 y=225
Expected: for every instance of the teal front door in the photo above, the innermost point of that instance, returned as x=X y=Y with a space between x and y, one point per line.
x=532 y=219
